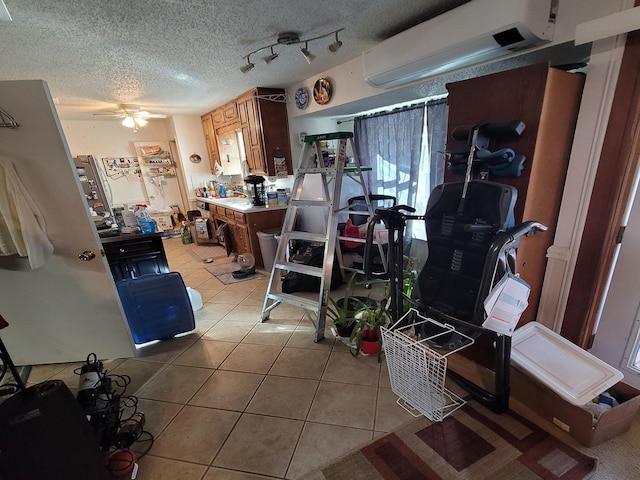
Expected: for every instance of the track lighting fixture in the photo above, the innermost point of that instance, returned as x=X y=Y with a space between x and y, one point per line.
x=335 y=46
x=291 y=38
x=308 y=56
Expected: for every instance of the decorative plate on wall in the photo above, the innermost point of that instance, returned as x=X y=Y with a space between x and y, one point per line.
x=302 y=98
x=322 y=91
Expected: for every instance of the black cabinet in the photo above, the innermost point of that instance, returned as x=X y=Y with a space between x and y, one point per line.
x=133 y=255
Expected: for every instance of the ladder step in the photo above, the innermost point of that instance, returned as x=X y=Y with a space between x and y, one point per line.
x=328 y=170
x=306 y=236
x=310 y=203
x=327 y=136
x=301 y=268
x=352 y=239
x=293 y=300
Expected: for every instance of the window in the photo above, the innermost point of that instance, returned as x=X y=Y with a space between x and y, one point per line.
x=404 y=147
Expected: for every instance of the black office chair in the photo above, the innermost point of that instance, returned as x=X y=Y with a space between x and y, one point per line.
x=472 y=243
x=375 y=259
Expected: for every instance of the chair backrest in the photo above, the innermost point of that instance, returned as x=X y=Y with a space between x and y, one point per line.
x=359 y=203
x=458 y=244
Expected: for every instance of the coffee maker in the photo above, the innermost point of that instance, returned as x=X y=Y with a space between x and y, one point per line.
x=255 y=189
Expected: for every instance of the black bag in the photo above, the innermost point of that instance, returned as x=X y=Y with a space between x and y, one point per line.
x=311 y=254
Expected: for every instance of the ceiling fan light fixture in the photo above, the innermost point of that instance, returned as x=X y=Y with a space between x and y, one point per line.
x=308 y=56
x=141 y=122
x=128 y=122
x=335 y=46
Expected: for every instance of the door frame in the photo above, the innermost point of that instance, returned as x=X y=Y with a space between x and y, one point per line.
x=613 y=185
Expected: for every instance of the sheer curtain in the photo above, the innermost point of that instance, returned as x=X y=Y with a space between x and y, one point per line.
x=404 y=148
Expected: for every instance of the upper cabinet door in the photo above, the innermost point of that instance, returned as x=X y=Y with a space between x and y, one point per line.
x=230 y=151
x=261 y=116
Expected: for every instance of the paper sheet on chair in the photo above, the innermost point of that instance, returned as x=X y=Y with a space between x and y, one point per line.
x=505 y=303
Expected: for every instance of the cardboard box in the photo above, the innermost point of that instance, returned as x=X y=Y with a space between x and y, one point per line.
x=575 y=420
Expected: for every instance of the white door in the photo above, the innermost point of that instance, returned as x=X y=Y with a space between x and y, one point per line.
x=617 y=340
x=68 y=308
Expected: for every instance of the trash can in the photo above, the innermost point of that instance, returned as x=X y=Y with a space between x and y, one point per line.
x=268 y=245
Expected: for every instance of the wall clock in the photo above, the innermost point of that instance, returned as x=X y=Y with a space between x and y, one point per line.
x=302 y=98
x=322 y=91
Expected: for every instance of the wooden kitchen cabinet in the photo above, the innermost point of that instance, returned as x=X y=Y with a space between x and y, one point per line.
x=244 y=227
x=134 y=255
x=210 y=140
x=547 y=101
x=261 y=115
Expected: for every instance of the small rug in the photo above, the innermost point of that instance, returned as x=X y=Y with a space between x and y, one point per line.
x=472 y=443
x=202 y=253
x=223 y=273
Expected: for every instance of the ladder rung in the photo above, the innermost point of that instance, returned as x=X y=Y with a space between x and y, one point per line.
x=306 y=236
x=301 y=268
x=327 y=136
x=310 y=203
x=302 y=171
x=352 y=239
x=294 y=300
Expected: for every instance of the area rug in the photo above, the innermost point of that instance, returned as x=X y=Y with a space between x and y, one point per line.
x=223 y=273
x=203 y=253
x=472 y=443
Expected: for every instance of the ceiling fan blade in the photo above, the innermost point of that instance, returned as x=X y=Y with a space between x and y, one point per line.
x=110 y=114
x=150 y=115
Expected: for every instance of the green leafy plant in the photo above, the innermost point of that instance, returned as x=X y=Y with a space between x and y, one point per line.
x=370 y=317
x=339 y=311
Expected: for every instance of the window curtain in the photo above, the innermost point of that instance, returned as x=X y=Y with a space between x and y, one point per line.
x=390 y=143
x=405 y=149
x=436 y=118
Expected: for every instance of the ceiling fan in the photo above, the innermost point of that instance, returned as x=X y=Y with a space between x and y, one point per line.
x=131 y=115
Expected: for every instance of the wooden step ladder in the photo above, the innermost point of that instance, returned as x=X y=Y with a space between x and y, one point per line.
x=314 y=305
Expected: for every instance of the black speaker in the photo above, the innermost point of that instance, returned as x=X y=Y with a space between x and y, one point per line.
x=44 y=435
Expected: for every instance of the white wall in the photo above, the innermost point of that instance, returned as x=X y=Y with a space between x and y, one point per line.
x=108 y=138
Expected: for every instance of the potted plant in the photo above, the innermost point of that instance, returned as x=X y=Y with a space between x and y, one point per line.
x=342 y=311
x=367 y=329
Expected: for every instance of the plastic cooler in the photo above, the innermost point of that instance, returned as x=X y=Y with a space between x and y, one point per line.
x=157 y=306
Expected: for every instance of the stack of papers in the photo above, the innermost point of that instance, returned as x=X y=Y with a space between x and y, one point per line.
x=505 y=303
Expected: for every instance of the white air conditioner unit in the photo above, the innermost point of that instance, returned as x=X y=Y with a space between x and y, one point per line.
x=475 y=32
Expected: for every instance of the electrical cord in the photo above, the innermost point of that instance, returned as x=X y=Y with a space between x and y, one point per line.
x=113 y=415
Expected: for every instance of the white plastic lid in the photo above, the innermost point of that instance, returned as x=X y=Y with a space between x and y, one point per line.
x=571 y=372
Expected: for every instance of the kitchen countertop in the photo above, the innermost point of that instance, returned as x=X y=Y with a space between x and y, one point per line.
x=239 y=204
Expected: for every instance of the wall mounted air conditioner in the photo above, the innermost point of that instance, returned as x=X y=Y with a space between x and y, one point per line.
x=475 y=32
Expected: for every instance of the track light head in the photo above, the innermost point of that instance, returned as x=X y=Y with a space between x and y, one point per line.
x=308 y=56
x=335 y=46
x=247 y=67
x=271 y=57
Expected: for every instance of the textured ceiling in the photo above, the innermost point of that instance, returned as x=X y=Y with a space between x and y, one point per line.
x=184 y=57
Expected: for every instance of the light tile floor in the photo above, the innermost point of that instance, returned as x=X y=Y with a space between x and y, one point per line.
x=238 y=399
